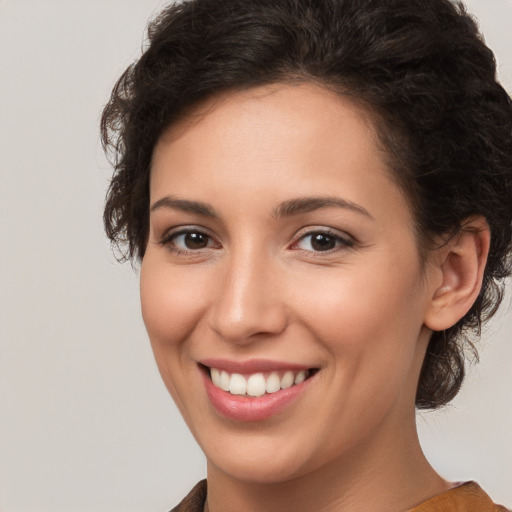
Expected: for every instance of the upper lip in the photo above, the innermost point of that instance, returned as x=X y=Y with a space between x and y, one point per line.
x=252 y=365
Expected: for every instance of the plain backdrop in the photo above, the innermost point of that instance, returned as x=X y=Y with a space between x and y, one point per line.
x=85 y=423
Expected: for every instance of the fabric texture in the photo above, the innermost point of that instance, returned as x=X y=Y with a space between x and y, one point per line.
x=195 y=499
x=468 y=497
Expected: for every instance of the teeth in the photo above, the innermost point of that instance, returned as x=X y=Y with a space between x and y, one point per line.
x=215 y=374
x=237 y=384
x=288 y=380
x=224 y=381
x=256 y=384
x=273 y=383
x=300 y=377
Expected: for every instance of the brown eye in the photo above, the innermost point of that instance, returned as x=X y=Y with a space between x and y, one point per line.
x=195 y=240
x=189 y=240
x=322 y=241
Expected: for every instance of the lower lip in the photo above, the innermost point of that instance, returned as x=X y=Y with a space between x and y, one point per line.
x=250 y=409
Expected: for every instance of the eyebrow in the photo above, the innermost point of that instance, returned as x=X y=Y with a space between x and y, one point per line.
x=287 y=208
x=185 y=205
x=309 y=204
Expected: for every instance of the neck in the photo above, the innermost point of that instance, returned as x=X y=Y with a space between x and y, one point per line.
x=388 y=474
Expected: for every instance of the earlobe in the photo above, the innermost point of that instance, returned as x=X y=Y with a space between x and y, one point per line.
x=462 y=262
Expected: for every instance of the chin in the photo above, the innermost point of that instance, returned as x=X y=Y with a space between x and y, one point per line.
x=261 y=459
x=259 y=470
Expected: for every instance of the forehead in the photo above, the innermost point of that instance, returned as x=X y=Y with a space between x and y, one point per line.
x=285 y=96
x=279 y=141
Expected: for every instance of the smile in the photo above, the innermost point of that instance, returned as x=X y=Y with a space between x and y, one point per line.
x=256 y=384
x=255 y=390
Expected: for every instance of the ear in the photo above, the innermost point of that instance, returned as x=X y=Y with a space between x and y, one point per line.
x=460 y=266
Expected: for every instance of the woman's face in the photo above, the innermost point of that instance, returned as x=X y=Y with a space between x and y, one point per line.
x=281 y=251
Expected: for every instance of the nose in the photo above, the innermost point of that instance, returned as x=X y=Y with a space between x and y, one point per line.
x=248 y=303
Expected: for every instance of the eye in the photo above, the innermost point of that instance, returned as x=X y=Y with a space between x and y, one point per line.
x=322 y=241
x=189 y=240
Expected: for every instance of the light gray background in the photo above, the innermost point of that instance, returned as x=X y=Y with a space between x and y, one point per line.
x=85 y=423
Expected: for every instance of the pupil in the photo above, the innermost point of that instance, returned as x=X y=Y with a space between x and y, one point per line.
x=322 y=242
x=196 y=240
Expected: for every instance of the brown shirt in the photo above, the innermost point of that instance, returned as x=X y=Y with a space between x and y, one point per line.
x=468 y=497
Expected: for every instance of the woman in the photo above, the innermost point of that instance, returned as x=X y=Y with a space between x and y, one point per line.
x=320 y=197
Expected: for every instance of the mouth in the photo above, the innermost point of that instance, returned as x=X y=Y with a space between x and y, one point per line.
x=259 y=383
x=256 y=390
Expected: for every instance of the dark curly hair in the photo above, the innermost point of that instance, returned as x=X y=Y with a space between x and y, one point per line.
x=419 y=67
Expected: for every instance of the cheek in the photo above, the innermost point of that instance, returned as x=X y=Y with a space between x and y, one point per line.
x=367 y=320
x=171 y=308
x=371 y=337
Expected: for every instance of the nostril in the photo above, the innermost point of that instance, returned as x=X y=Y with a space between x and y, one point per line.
x=246 y=310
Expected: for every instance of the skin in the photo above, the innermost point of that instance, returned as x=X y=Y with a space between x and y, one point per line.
x=361 y=312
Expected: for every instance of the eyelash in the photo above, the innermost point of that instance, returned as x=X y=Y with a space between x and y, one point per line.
x=168 y=240
x=342 y=242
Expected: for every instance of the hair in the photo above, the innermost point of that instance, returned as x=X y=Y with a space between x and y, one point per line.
x=420 y=68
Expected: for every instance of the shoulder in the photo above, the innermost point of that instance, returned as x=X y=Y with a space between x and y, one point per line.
x=463 y=498
x=468 y=497
x=195 y=499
